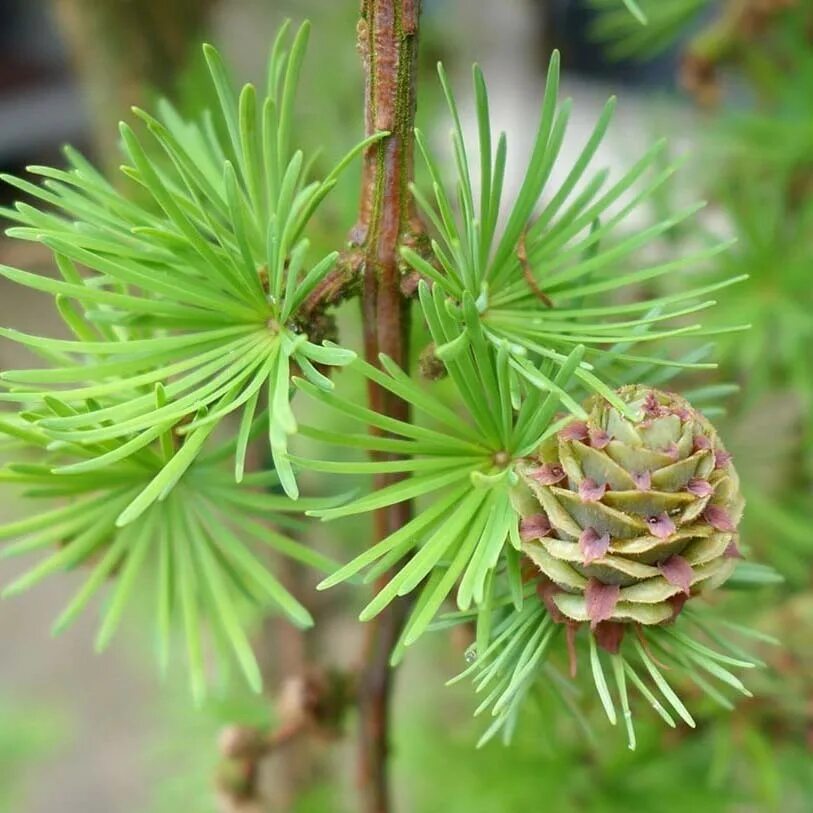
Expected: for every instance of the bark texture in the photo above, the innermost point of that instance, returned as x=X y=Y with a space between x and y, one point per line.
x=388 y=44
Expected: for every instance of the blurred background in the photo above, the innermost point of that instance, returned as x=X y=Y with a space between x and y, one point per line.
x=731 y=84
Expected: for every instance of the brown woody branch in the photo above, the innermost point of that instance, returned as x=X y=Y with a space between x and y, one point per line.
x=313 y=705
x=388 y=43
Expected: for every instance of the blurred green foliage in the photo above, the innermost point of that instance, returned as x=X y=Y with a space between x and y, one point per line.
x=29 y=734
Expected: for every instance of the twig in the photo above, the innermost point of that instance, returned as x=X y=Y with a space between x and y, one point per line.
x=387 y=39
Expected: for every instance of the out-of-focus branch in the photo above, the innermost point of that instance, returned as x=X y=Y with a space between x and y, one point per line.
x=121 y=49
x=736 y=27
x=312 y=705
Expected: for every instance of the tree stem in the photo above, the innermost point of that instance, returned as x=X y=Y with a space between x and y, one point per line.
x=388 y=42
x=123 y=51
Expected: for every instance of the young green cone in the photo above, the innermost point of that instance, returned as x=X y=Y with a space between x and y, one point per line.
x=628 y=518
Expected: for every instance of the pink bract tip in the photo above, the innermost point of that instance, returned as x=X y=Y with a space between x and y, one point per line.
x=577 y=430
x=699 y=487
x=599 y=438
x=548 y=474
x=534 y=527
x=592 y=545
x=591 y=491
x=719 y=518
x=643 y=481
x=701 y=443
x=676 y=570
x=600 y=600
x=733 y=551
x=721 y=458
x=661 y=526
